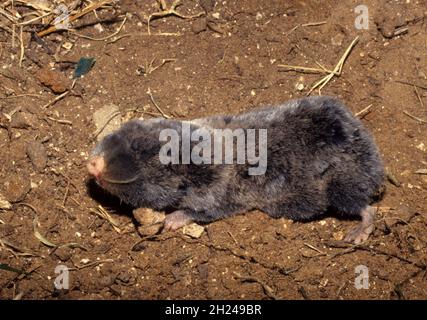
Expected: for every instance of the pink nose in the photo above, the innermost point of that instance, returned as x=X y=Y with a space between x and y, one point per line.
x=95 y=166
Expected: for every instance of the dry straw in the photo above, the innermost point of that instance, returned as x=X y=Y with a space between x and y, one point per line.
x=329 y=73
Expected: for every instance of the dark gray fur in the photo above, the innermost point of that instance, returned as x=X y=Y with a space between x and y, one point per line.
x=320 y=157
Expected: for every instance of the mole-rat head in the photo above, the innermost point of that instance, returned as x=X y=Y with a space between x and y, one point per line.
x=113 y=161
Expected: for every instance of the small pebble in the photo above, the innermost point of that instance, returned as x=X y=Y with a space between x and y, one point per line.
x=299 y=86
x=147 y=216
x=199 y=25
x=338 y=235
x=193 y=230
x=4 y=204
x=151 y=222
x=16 y=188
x=54 y=80
x=63 y=253
x=146 y=231
x=207 y=5
x=37 y=154
x=23 y=120
x=67 y=45
x=421 y=147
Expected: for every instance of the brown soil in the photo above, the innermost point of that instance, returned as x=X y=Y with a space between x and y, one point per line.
x=224 y=64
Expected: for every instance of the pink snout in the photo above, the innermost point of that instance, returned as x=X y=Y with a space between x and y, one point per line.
x=96 y=166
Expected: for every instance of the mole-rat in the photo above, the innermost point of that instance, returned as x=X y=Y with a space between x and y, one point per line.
x=318 y=158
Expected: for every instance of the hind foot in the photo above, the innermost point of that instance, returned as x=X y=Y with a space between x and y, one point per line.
x=364 y=229
x=176 y=220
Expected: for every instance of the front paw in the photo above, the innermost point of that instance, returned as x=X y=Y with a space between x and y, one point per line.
x=176 y=220
x=359 y=234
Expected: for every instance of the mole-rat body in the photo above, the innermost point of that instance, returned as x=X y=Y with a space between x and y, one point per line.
x=318 y=158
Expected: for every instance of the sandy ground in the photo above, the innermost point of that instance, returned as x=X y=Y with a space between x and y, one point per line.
x=225 y=61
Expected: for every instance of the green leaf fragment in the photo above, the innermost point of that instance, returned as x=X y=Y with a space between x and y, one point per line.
x=83 y=66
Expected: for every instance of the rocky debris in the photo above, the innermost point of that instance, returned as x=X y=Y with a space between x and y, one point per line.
x=193 y=230
x=54 y=80
x=207 y=5
x=106 y=281
x=37 y=154
x=389 y=24
x=139 y=247
x=147 y=216
x=338 y=236
x=23 y=120
x=63 y=253
x=4 y=204
x=151 y=222
x=124 y=277
x=203 y=270
x=146 y=231
x=199 y=25
x=212 y=25
x=16 y=188
x=338 y=39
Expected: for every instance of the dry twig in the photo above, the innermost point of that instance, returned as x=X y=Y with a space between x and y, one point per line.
x=414 y=117
x=267 y=289
x=169 y=12
x=156 y=105
x=103 y=38
x=330 y=74
x=101 y=212
x=86 y=10
x=362 y=113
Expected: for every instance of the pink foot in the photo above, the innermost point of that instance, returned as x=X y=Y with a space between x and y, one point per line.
x=176 y=220
x=364 y=229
